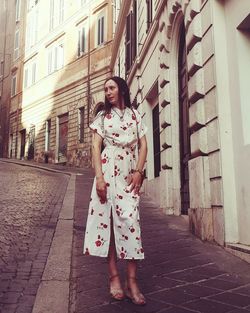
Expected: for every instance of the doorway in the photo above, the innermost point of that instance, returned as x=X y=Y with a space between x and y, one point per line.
x=184 y=123
x=23 y=141
x=63 y=138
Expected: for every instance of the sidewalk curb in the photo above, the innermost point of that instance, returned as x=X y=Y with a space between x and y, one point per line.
x=54 y=289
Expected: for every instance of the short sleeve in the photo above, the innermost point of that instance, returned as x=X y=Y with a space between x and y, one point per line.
x=98 y=124
x=142 y=128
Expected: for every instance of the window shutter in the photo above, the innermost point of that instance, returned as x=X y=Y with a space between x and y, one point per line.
x=102 y=29
x=61 y=11
x=79 y=43
x=26 y=77
x=83 y=39
x=51 y=22
x=50 y=60
x=33 y=73
x=128 y=42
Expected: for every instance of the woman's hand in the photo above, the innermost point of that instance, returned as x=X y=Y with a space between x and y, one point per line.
x=136 y=182
x=101 y=189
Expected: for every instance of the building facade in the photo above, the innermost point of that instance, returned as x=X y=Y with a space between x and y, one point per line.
x=61 y=58
x=8 y=19
x=186 y=63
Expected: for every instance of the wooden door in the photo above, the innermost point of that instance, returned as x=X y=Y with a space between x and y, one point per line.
x=63 y=138
x=184 y=124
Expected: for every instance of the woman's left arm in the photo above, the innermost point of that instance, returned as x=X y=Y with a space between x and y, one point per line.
x=137 y=175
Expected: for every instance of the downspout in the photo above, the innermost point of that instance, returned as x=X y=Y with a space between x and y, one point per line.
x=88 y=73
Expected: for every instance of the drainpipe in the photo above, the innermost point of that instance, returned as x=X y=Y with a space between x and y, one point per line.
x=2 y=129
x=88 y=77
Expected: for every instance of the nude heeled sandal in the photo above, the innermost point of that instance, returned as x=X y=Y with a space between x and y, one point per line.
x=116 y=293
x=137 y=298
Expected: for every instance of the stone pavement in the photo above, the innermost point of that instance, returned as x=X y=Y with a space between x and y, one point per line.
x=180 y=274
x=30 y=202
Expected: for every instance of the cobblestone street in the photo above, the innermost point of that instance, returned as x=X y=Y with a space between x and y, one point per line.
x=30 y=201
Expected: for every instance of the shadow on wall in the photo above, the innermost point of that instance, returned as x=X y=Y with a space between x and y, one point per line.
x=53 y=128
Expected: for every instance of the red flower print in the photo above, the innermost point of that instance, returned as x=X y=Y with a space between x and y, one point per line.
x=142 y=251
x=86 y=251
x=98 y=243
x=124 y=128
x=133 y=117
x=122 y=255
x=120 y=197
x=108 y=116
x=107 y=184
x=132 y=229
x=104 y=161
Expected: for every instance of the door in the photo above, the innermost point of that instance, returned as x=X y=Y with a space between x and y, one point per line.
x=23 y=140
x=63 y=138
x=184 y=124
x=31 y=149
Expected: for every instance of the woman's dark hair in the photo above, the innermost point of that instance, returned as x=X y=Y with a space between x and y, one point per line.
x=99 y=107
x=123 y=93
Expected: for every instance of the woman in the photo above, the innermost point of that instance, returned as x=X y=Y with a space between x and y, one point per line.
x=113 y=225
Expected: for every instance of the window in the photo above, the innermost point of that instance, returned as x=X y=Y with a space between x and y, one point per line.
x=47 y=134
x=100 y=30
x=156 y=141
x=131 y=38
x=56 y=13
x=149 y=14
x=13 y=85
x=30 y=73
x=55 y=58
x=18 y=6
x=16 y=45
x=82 y=40
x=81 y=124
x=32 y=24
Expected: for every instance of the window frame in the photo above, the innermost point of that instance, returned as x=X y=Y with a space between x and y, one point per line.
x=30 y=73
x=18 y=10
x=101 y=28
x=82 y=40
x=56 y=13
x=16 y=44
x=14 y=85
x=53 y=57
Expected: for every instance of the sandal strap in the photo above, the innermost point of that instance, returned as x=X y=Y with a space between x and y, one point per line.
x=113 y=276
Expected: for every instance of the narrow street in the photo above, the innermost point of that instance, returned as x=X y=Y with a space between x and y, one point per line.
x=180 y=273
x=30 y=201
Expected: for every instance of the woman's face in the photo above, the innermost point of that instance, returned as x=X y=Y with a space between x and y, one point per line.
x=112 y=92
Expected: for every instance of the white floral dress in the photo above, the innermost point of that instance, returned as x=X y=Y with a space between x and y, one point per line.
x=119 y=159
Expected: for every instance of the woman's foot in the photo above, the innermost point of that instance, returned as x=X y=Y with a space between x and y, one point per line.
x=116 y=291
x=133 y=292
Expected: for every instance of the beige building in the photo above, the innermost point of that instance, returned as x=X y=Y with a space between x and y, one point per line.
x=61 y=59
x=8 y=17
x=187 y=64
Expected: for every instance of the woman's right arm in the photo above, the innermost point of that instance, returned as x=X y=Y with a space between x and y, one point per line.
x=101 y=187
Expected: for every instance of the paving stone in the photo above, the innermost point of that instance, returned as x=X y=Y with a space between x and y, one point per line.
x=220 y=284
x=232 y=298
x=206 y=306
x=26 y=197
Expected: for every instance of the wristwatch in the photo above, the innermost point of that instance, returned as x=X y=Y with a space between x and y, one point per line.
x=139 y=171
